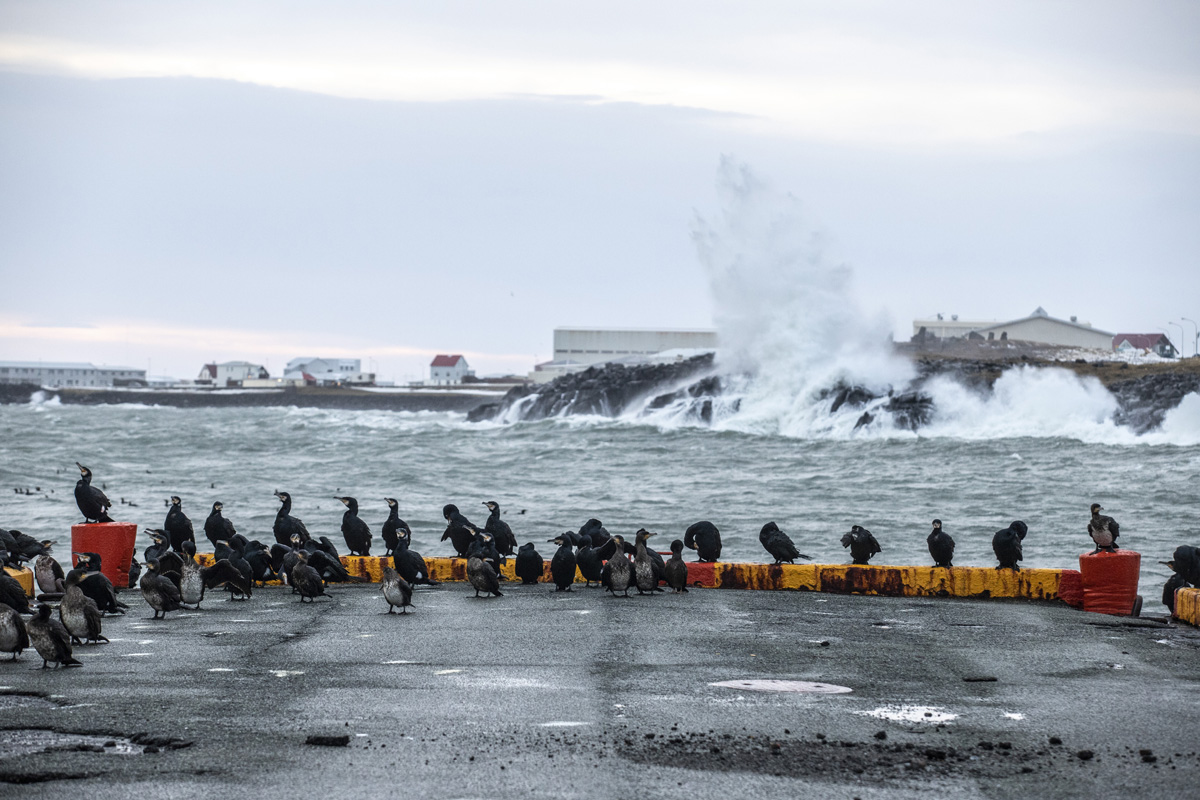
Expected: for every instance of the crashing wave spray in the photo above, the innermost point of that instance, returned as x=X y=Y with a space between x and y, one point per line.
x=788 y=323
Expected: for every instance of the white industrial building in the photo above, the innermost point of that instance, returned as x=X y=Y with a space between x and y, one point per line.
x=1038 y=328
x=447 y=370
x=576 y=349
x=53 y=374
x=328 y=372
x=231 y=373
x=953 y=328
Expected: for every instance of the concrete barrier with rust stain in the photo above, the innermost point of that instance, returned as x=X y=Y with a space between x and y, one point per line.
x=1187 y=605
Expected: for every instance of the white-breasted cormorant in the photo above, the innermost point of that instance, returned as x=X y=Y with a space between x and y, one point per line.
x=530 y=566
x=306 y=580
x=862 y=544
x=562 y=564
x=160 y=593
x=941 y=546
x=178 y=526
x=13 y=636
x=286 y=524
x=1006 y=544
x=647 y=571
x=96 y=585
x=50 y=639
x=79 y=614
x=618 y=572
x=779 y=544
x=483 y=577
x=396 y=591
x=676 y=572
x=506 y=542
x=356 y=532
x=394 y=528
x=48 y=572
x=92 y=502
x=1104 y=530
x=705 y=539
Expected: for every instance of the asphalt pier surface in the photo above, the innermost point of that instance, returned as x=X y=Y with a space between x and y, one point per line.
x=537 y=694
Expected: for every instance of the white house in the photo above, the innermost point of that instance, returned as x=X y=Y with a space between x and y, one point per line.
x=1146 y=342
x=446 y=370
x=328 y=371
x=231 y=373
x=57 y=374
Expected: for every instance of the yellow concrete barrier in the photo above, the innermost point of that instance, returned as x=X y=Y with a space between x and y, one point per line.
x=23 y=576
x=1187 y=605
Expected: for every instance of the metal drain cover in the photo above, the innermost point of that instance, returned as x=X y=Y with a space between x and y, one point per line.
x=808 y=687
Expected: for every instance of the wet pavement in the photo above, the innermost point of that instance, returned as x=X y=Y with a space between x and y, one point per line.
x=537 y=694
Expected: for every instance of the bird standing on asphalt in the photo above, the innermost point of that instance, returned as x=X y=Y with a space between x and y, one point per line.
x=676 y=571
x=646 y=571
x=160 y=593
x=482 y=576
x=306 y=580
x=562 y=564
x=530 y=565
x=50 y=639
x=79 y=614
x=618 y=572
x=13 y=636
x=396 y=591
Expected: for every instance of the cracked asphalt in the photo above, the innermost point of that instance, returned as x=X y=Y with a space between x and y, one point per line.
x=537 y=694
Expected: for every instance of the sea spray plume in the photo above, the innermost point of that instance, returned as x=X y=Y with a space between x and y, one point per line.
x=788 y=323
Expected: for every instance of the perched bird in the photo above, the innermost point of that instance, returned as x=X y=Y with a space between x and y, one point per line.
x=237 y=575
x=169 y=562
x=79 y=614
x=676 y=572
x=530 y=566
x=92 y=502
x=160 y=593
x=596 y=530
x=397 y=591
x=410 y=564
x=216 y=527
x=393 y=527
x=290 y=560
x=13 y=636
x=48 y=572
x=484 y=547
x=177 y=525
x=562 y=564
x=1103 y=530
x=323 y=544
x=459 y=529
x=705 y=539
x=1173 y=583
x=285 y=523
x=1186 y=562
x=647 y=572
x=1006 y=544
x=306 y=580
x=587 y=558
x=12 y=594
x=861 y=543
x=356 y=532
x=330 y=568
x=941 y=546
x=21 y=547
x=135 y=570
x=483 y=577
x=618 y=572
x=779 y=544
x=506 y=542
x=50 y=639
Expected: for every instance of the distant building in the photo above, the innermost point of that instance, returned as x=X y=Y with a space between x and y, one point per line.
x=448 y=370
x=953 y=328
x=54 y=374
x=1041 y=328
x=1146 y=342
x=230 y=373
x=328 y=372
x=576 y=349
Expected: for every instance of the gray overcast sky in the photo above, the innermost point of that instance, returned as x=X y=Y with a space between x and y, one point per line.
x=190 y=181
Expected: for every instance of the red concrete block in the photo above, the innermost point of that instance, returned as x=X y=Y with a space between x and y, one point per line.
x=1070 y=588
x=1110 y=581
x=112 y=541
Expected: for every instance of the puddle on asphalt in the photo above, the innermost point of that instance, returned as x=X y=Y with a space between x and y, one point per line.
x=562 y=724
x=447 y=671
x=137 y=655
x=1013 y=715
x=285 y=673
x=15 y=743
x=804 y=687
x=221 y=669
x=930 y=714
x=16 y=702
x=400 y=662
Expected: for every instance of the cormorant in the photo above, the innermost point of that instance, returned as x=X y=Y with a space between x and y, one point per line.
x=562 y=564
x=861 y=543
x=307 y=580
x=216 y=527
x=289 y=561
x=92 y=502
x=506 y=542
x=170 y=565
x=286 y=524
x=50 y=639
x=160 y=593
x=21 y=547
x=1186 y=562
x=96 y=585
x=779 y=544
x=238 y=589
x=178 y=526
x=79 y=614
x=323 y=544
x=13 y=636
x=393 y=527
x=459 y=530
x=135 y=571
x=12 y=594
x=397 y=591
x=1006 y=544
x=618 y=572
x=1174 y=582
x=330 y=568
x=588 y=559
x=483 y=577
x=596 y=530
x=48 y=571
x=705 y=539
x=356 y=532
x=410 y=564
x=530 y=566
x=484 y=547
x=1103 y=530
x=646 y=571
x=676 y=572
x=941 y=546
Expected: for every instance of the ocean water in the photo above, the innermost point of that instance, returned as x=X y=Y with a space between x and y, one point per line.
x=551 y=476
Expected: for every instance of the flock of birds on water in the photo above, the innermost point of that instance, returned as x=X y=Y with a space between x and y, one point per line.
x=174 y=579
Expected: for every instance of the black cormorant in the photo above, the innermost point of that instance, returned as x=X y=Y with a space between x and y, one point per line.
x=178 y=526
x=1174 y=582
x=12 y=594
x=397 y=591
x=50 y=639
x=356 y=532
x=160 y=593
x=587 y=557
x=216 y=527
x=13 y=636
x=1103 y=530
x=92 y=502
x=306 y=580
x=459 y=530
x=484 y=547
x=530 y=566
x=941 y=546
x=238 y=589
x=676 y=572
x=1186 y=562
x=618 y=572
x=596 y=530
x=779 y=544
x=394 y=528
x=506 y=542
x=170 y=564
x=410 y=564
x=562 y=564
x=861 y=543
x=1006 y=544
x=705 y=539
x=96 y=585
x=286 y=524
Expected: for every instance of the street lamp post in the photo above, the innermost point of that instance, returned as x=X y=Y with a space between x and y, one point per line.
x=1181 y=335
x=1196 y=337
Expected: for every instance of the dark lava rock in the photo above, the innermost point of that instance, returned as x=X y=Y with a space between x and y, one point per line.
x=328 y=741
x=1085 y=755
x=1145 y=401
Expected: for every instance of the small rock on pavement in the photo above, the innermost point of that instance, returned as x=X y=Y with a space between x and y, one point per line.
x=328 y=741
